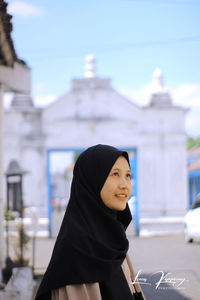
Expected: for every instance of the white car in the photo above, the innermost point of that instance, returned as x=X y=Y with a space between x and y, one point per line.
x=192 y=222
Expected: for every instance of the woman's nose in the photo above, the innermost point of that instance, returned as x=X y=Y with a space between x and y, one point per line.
x=123 y=183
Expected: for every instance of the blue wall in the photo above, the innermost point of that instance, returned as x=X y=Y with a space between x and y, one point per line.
x=194 y=185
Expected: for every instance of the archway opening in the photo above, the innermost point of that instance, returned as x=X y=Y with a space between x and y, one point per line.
x=60 y=164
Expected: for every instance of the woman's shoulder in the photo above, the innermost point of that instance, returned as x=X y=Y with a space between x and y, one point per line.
x=85 y=291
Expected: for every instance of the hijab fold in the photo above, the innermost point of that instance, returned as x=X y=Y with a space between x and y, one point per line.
x=91 y=244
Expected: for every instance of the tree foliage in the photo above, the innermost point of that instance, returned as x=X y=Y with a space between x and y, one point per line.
x=193 y=142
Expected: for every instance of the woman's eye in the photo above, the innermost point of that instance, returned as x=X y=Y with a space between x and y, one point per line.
x=128 y=175
x=115 y=174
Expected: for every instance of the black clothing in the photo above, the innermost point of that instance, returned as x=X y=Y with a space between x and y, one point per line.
x=91 y=244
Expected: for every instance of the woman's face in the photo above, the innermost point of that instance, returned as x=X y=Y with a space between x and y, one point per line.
x=117 y=187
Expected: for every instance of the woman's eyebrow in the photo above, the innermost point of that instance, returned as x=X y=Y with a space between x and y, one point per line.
x=120 y=169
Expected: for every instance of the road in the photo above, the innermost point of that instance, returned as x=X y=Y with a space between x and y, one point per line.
x=162 y=255
x=167 y=254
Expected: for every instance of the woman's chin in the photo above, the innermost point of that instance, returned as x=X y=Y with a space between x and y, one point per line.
x=121 y=207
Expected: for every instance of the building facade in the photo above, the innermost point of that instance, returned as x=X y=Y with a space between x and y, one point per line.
x=14 y=77
x=93 y=112
x=193 y=174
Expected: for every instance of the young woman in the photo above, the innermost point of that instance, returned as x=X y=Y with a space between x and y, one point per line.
x=89 y=260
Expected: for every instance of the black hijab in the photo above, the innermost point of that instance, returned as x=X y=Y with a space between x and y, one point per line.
x=91 y=244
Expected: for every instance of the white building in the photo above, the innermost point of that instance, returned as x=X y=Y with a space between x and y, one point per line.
x=92 y=112
x=15 y=76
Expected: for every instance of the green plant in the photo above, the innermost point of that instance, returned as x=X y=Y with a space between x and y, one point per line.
x=21 y=246
x=193 y=142
x=8 y=214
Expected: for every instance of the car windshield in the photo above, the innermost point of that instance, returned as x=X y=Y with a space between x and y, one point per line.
x=196 y=204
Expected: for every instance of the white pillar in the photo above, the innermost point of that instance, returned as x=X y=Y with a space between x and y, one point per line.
x=2 y=241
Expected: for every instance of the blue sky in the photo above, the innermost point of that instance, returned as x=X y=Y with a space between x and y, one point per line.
x=130 y=39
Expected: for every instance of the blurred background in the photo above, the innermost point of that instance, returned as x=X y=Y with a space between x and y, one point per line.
x=74 y=74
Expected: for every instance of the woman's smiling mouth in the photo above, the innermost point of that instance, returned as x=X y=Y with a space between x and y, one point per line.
x=121 y=196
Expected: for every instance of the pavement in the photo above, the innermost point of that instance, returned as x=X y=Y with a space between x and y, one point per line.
x=167 y=259
x=168 y=268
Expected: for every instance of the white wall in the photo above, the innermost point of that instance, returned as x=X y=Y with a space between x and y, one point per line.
x=88 y=116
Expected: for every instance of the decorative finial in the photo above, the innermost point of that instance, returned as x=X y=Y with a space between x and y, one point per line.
x=90 y=66
x=160 y=96
x=158 y=81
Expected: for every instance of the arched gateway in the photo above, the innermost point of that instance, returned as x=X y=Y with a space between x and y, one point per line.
x=92 y=112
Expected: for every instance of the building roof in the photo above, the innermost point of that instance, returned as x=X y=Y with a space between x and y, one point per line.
x=194 y=151
x=193 y=159
x=194 y=165
x=7 y=51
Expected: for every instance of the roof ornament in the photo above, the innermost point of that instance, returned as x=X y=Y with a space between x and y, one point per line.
x=160 y=96
x=158 y=82
x=90 y=66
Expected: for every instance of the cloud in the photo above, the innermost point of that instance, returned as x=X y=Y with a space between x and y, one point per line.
x=42 y=101
x=185 y=95
x=188 y=95
x=192 y=122
x=23 y=9
x=139 y=96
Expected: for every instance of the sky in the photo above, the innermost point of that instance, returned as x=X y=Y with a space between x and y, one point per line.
x=130 y=39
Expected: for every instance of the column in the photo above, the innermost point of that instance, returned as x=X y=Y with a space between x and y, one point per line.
x=2 y=242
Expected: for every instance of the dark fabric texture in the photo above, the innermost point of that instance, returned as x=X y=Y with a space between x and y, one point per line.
x=91 y=244
x=138 y=296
